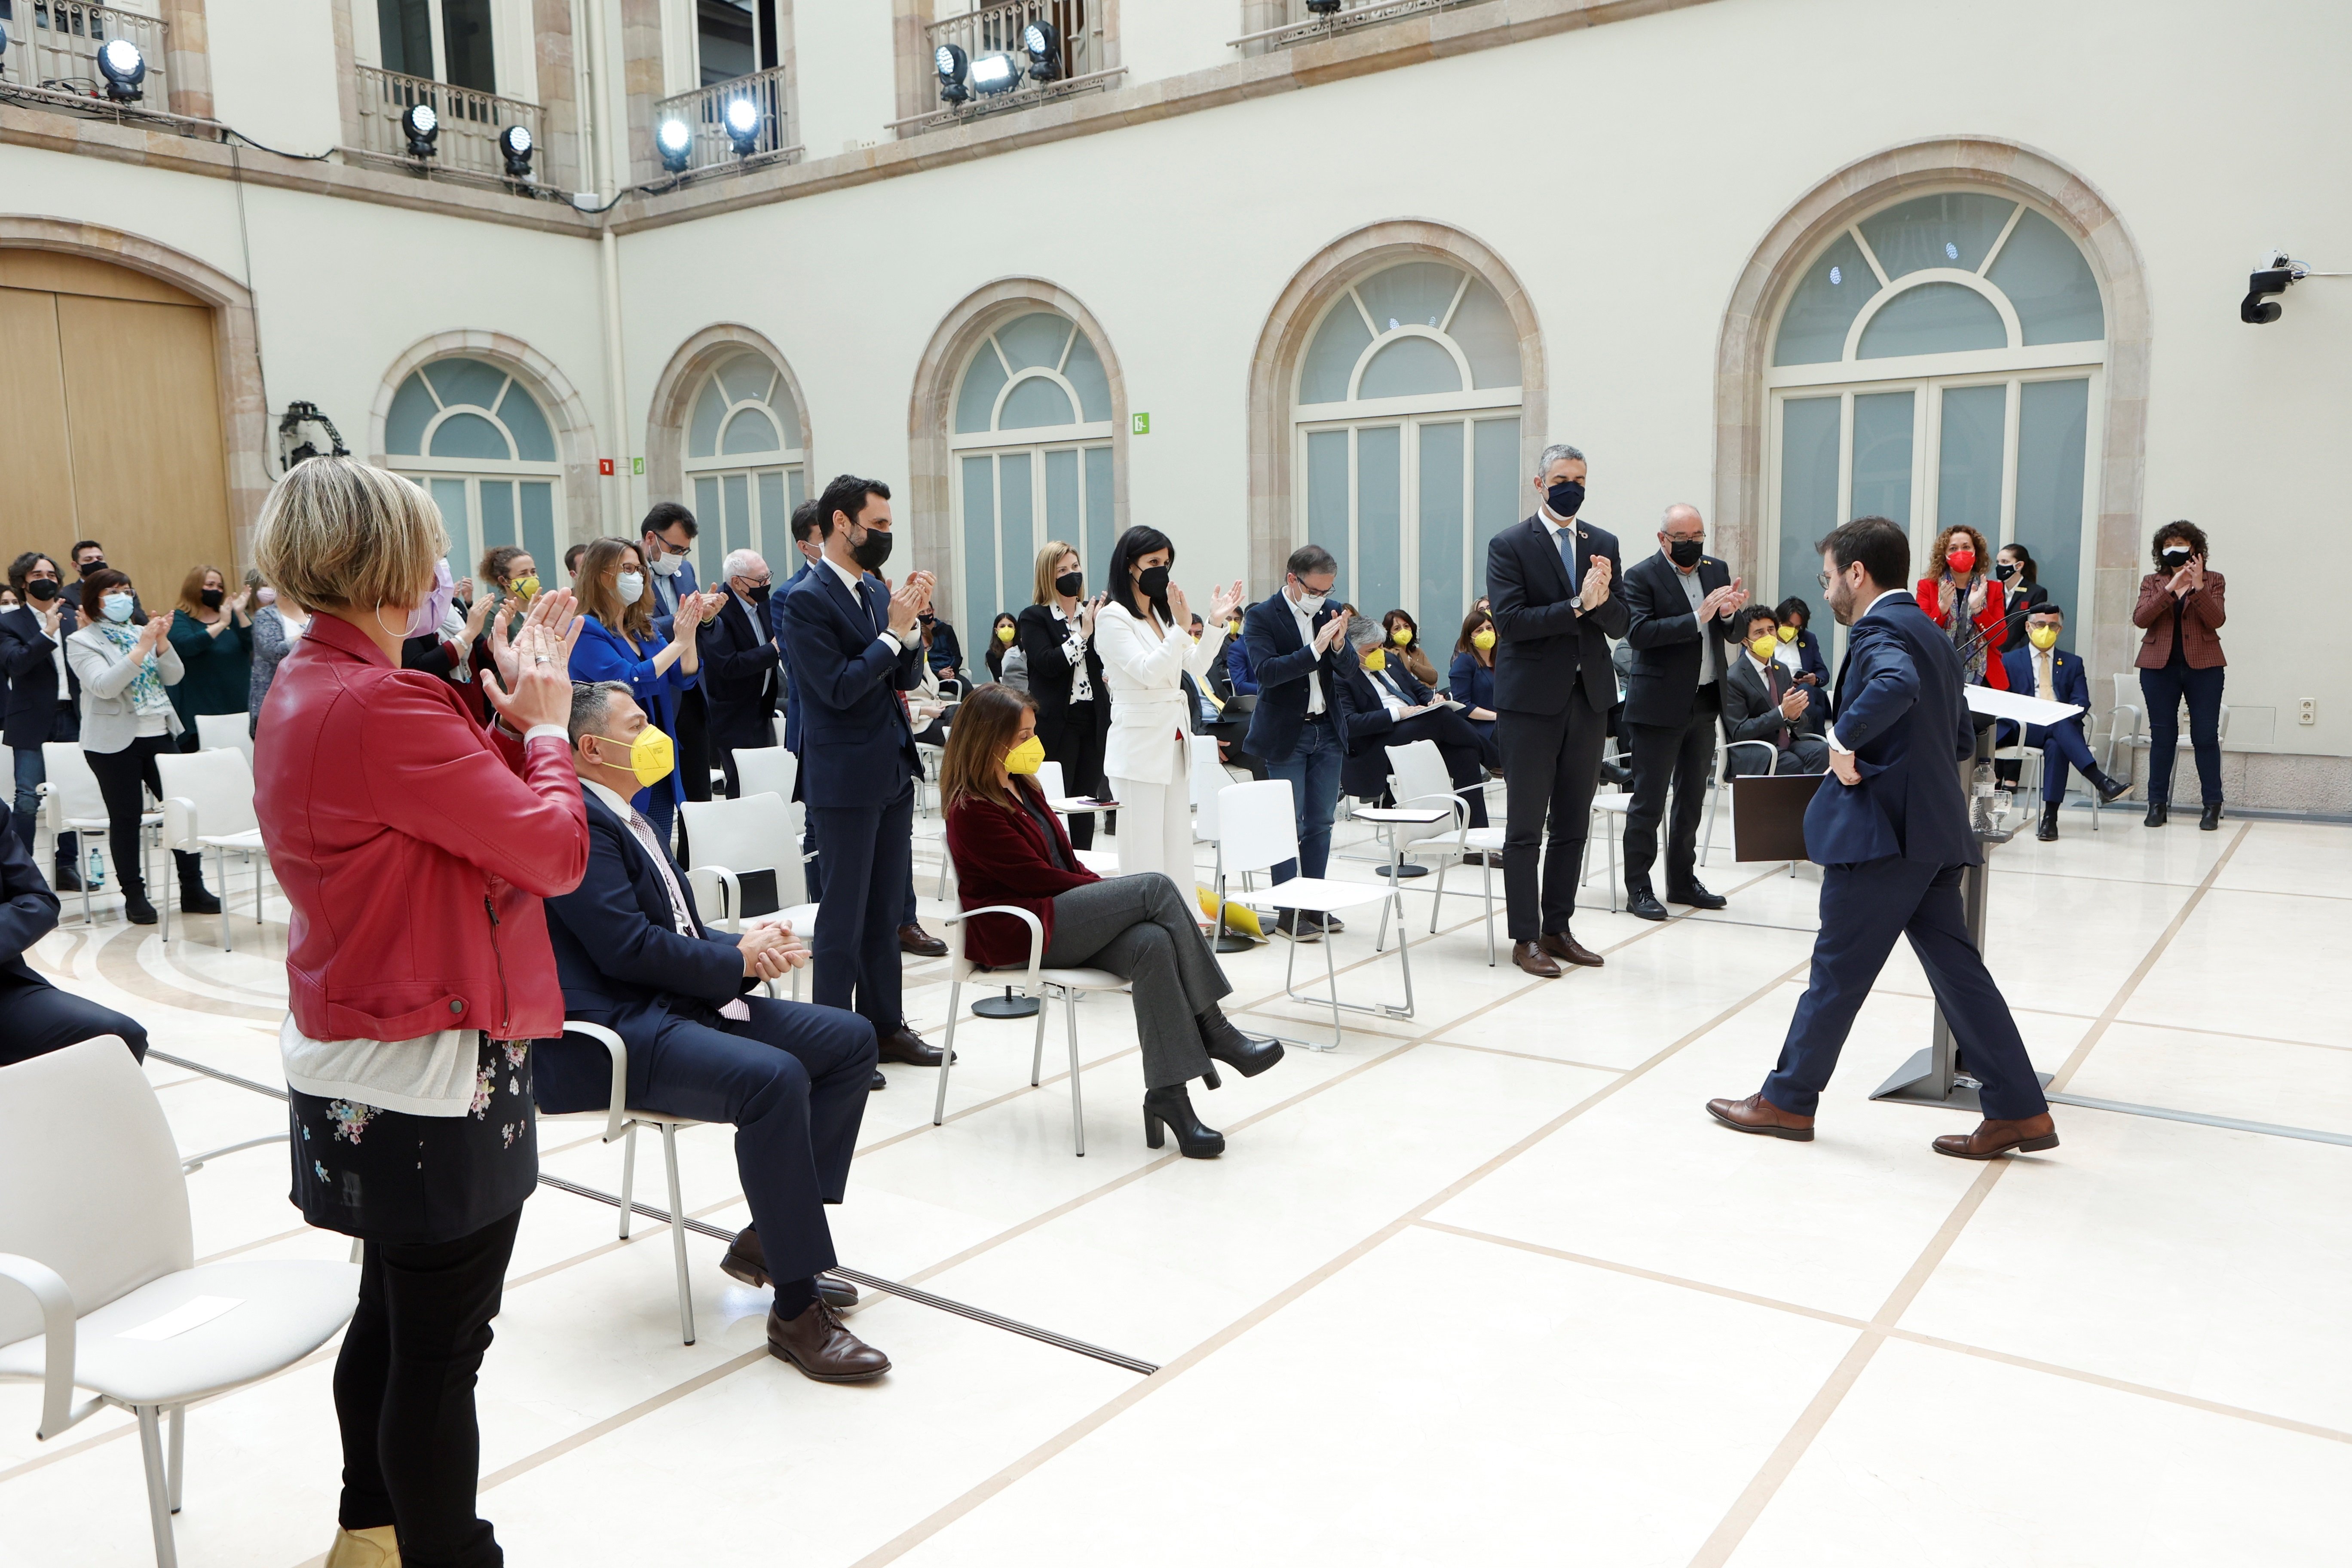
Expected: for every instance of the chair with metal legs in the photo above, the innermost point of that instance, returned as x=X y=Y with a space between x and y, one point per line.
x=208 y=805
x=1258 y=830
x=70 y=803
x=1063 y=986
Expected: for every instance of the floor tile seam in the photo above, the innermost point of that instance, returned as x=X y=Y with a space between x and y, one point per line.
x=1732 y=1530
x=1051 y=1080
x=1636 y=1271
x=620 y=1418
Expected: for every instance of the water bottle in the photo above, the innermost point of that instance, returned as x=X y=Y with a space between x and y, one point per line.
x=95 y=877
x=1981 y=809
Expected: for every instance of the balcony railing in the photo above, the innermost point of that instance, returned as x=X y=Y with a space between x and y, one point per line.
x=54 y=44
x=471 y=122
x=703 y=112
x=996 y=29
x=1304 y=26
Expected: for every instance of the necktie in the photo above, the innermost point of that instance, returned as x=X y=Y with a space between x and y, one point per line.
x=1566 y=539
x=1774 y=687
x=645 y=832
x=866 y=601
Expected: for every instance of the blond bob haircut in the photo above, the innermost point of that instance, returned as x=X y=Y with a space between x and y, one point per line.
x=337 y=534
x=1049 y=561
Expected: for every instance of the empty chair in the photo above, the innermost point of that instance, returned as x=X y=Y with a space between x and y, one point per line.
x=1257 y=831
x=747 y=864
x=1417 y=777
x=71 y=802
x=224 y=733
x=208 y=805
x=1063 y=986
x=98 y=1285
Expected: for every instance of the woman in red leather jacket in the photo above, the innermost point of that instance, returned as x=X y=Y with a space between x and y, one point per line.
x=416 y=846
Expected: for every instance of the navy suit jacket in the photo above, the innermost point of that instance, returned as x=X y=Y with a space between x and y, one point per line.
x=1280 y=662
x=784 y=659
x=1901 y=711
x=623 y=963
x=30 y=660
x=667 y=591
x=738 y=677
x=2068 y=678
x=1546 y=647
x=28 y=912
x=855 y=746
x=1365 y=725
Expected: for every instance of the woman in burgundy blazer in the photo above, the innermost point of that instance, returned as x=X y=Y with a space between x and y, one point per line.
x=2180 y=614
x=1010 y=849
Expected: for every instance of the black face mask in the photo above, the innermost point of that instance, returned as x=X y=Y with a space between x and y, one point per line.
x=1153 y=581
x=41 y=588
x=2003 y=571
x=873 y=549
x=1564 y=498
x=1685 y=552
x=1068 y=584
x=759 y=593
x=2176 y=557
x=212 y=598
x=89 y=566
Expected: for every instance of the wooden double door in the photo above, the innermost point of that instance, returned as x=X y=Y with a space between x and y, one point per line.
x=109 y=420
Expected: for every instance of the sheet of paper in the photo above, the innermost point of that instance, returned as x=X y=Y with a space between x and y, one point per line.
x=2017 y=707
x=191 y=1314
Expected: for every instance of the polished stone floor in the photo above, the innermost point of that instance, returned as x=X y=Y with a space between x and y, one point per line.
x=1485 y=1285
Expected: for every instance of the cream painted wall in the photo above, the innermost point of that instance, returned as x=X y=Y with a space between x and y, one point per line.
x=273 y=70
x=1168 y=37
x=847 y=91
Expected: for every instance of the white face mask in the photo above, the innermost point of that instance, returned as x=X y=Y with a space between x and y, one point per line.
x=1309 y=599
x=668 y=566
x=630 y=586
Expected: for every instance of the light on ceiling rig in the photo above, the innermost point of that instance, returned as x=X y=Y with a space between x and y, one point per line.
x=124 y=68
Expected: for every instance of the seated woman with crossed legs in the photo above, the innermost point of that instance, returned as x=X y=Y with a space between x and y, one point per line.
x=1009 y=849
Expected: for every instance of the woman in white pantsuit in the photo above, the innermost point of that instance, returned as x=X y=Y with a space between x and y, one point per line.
x=1142 y=638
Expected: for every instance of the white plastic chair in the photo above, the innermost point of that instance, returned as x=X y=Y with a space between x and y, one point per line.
x=98 y=1266
x=1258 y=830
x=208 y=805
x=732 y=840
x=70 y=803
x=1417 y=777
x=1718 y=782
x=766 y=770
x=621 y=1121
x=1063 y=986
x=224 y=733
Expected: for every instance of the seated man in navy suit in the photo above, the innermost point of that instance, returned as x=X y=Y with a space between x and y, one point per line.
x=633 y=956
x=40 y=1018
x=1382 y=705
x=1889 y=827
x=2041 y=668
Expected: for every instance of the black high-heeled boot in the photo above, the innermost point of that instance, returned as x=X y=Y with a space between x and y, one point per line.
x=2211 y=820
x=1172 y=1108
x=194 y=899
x=1227 y=1043
x=2154 y=815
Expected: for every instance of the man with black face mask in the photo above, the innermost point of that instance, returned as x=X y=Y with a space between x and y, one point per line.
x=738 y=665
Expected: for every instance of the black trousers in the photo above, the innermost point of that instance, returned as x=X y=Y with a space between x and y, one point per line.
x=1679 y=755
x=694 y=744
x=868 y=855
x=1080 y=752
x=1142 y=928
x=2164 y=691
x=42 y=1018
x=404 y=1392
x=120 y=774
x=1550 y=763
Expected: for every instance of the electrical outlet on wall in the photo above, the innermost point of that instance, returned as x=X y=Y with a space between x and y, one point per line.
x=2307 y=711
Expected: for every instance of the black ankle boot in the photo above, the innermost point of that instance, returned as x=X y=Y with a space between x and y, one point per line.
x=2048 y=830
x=68 y=877
x=2108 y=787
x=136 y=909
x=1226 y=1043
x=1172 y=1107
x=2154 y=815
x=193 y=898
x=2211 y=820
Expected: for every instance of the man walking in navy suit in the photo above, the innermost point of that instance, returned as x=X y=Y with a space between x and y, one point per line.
x=2041 y=668
x=1890 y=828
x=851 y=646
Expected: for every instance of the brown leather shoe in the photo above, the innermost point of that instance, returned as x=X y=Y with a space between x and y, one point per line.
x=1758 y=1114
x=1992 y=1139
x=746 y=1261
x=914 y=940
x=1531 y=957
x=1559 y=944
x=822 y=1349
x=903 y=1045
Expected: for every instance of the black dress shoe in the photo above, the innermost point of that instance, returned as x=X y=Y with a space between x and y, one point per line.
x=914 y=940
x=1226 y=1042
x=2155 y=817
x=1644 y=904
x=903 y=1045
x=1171 y=1109
x=879 y=1083
x=1617 y=774
x=2109 y=788
x=2046 y=829
x=824 y=1349
x=2212 y=817
x=1697 y=896
x=68 y=880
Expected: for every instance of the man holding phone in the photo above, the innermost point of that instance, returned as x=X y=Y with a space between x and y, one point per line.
x=1763 y=702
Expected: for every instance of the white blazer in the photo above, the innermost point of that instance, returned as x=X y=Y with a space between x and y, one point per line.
x=1146 y=676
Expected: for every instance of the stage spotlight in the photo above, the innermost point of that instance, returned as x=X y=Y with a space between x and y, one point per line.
x=994 y=74
x=421 y=126
x=675 y=141
x=515 y=144
x=124 y=66
x=743 y=126
x=1043 y=40
x=953 y=65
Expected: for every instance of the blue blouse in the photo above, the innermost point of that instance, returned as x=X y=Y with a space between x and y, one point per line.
x=1471 y=683
x=604 y=653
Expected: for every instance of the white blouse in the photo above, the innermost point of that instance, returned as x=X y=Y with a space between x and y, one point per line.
x=1146 y=676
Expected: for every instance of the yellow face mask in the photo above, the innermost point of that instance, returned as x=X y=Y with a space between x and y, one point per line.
x=2043 y=637
x=1025 y=758
x=1762 y=649
x=1233 y=627
x=524 y=588
x=1376 y=660
x=651 y=756
x=1402 y=636
x=1004 y=634
x=1787 y=634
x=1483 y=639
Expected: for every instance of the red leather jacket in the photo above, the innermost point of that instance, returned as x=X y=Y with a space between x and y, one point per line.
x=415 y=847
x=1000 y=858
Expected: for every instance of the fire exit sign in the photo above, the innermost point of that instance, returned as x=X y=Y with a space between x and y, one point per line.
x=1140 y=424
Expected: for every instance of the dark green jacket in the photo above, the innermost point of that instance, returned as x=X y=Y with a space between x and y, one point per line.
x=220 y=668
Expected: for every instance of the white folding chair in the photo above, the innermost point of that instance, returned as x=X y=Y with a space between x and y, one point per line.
x=1258 y=830
x=621 y=1121
x=1063 y=986
x=224 y=733
x=1718 y=782
x=70 y=803
x=1209 y=781
x=732 y=840
x=208 y=805
x=98 y=1284
x=1417 y=776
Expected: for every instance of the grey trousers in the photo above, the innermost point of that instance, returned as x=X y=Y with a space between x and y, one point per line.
x=1143 y=930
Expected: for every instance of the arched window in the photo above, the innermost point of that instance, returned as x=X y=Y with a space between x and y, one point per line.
x=1031 y=440
x=744 y=458
x=478 y=442
x=1406 y=426
x=1940 y=362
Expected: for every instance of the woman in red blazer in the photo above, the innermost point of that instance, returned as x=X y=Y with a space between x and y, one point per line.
x=2180 y=614
x=415 y=847
x=1962 y=597
x=1010 y=849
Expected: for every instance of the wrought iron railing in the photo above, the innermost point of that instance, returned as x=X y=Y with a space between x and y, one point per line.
x=470 y=122
x=996 y=28
x=1303 y=24
x=703 y=112
x=54 y=44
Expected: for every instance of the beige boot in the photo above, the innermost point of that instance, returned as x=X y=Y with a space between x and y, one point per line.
x=376 y=1548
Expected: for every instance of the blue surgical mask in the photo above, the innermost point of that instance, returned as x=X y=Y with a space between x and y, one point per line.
x=117 y=608
x=630 y=585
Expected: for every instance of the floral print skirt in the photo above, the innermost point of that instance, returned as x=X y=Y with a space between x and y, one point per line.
x=386 y=1175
